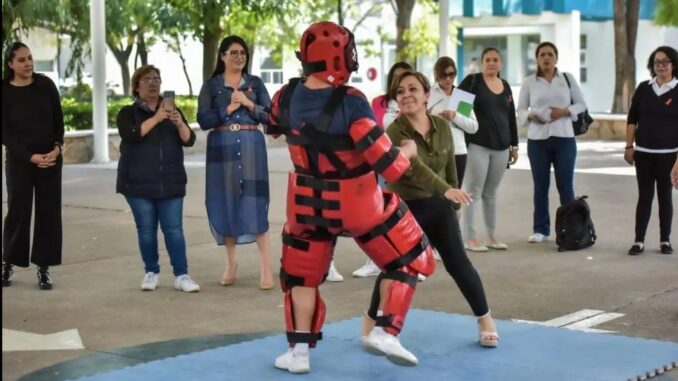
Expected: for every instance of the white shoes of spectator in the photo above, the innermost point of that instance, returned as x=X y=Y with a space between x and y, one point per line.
x=333 y=275
x=537 y=237
x=294 y=362
x=150 y=281
x=185 y=284
x=436 y=254
x=367 y=270
x=380 y=342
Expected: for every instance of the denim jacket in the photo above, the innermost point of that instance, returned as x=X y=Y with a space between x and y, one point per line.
x=215 y=96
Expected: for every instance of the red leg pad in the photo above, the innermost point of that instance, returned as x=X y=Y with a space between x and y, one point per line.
x=316 y=324
x=304 y=262
x=397 y=303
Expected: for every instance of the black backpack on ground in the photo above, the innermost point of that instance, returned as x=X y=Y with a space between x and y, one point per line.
x=574 y=228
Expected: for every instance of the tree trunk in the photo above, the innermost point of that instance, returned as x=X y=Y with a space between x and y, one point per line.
x=142 y=49
x=625 y=33
x=183 y=64
x=122 y=56
x=212 y=32
x=403 y=23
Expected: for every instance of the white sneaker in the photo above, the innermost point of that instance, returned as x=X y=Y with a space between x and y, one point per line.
x=294 y=362
x=150 y=281
x=185 y=284
x=436 y=254
x=367 y=270
x=421 y=277
x=380 y=342
x=537 y=237
x=333 y=275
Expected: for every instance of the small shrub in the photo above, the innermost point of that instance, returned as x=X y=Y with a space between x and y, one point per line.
x=78 y=113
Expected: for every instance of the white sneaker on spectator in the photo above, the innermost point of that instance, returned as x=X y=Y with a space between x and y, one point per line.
x=421 y=277
x=185 y=284
x=367 y=270
x=150 y=281
x=294 y=362
x=333 y=275
x=537 y=237
x=380 y=342
x=436 y=254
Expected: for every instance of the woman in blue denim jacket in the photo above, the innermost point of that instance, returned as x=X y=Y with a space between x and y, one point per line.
x=233 y=104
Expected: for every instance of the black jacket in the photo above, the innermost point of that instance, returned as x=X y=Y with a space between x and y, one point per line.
x=151 y=166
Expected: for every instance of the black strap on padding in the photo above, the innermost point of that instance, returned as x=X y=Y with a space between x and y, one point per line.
x=317 y=203
x=318 y=184
x=368 y=140
x=290 y=280
x=333 y=102
x=314 y=139
x=402 y=277
x=296 y=243
x=304 y=337
x=385 y=160
x=313 y=67
x=347 y=174
x=408 y=257
x=385 y=226
x=319 y=221
x=285 y=101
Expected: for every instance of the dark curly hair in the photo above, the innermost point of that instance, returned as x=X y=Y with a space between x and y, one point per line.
x=671 y=53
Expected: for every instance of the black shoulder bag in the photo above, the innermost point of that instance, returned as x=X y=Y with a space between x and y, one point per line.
x=584 y=120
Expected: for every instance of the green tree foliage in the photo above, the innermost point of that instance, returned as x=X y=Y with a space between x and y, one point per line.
x=666 y=13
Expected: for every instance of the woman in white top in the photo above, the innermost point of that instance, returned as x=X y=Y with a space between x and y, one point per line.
x=547 y=106
x=444 y=72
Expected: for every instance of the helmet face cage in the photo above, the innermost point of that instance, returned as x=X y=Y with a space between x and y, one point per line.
x=328 y=52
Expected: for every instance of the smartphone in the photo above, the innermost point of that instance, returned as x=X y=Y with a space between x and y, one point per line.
x=168 y=99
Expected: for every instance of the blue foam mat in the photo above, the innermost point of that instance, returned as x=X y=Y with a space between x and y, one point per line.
x=446 y=345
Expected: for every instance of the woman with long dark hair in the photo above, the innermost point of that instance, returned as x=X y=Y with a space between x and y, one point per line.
x=232 y=104
x=33 y=133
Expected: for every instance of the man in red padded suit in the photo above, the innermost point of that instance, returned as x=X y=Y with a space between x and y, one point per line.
x=336 y=147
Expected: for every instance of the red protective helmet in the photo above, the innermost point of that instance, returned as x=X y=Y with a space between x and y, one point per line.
x=327 y=51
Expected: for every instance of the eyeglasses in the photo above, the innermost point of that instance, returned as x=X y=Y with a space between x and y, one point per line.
x=148 y=81
x=661 y=63
x=237 y=53
x=449 y=75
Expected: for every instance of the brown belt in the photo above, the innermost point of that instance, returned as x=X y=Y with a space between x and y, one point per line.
x=237 y=127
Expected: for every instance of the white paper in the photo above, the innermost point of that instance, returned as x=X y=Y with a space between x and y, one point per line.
x=461 y=101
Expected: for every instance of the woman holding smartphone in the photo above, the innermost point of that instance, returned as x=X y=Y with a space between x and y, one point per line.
x=152 y=177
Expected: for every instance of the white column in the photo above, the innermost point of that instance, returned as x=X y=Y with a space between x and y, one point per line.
x=443 y=21
x=97 y=14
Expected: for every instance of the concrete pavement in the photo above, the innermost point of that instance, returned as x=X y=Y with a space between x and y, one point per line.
x=97 y=287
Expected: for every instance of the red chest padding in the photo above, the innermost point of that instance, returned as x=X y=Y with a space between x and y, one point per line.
x=345 y=205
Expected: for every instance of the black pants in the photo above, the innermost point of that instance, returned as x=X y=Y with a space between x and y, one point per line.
x=438 y=219
x=654 y=168
x=23 y=180
x=460 y=164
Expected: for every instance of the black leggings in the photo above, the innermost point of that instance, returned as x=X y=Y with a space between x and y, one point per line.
x=438 y=219
x=651 y=169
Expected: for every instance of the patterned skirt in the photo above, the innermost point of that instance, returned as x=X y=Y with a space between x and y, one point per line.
x=237 y=194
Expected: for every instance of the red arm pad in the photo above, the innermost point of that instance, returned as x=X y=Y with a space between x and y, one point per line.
x=275 y=109
x=378 y=150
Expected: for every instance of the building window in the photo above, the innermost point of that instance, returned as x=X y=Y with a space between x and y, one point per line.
x=582 y=58
x=44 y=65
x=271 y=73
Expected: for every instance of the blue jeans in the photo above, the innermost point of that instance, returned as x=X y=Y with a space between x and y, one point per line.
x=169 y=212
x=561 y=153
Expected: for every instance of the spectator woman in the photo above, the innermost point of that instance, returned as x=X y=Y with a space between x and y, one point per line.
x=385 y=110
x=232 y=104
x=152 y=177
x=651 y=125
x=546 y=106
x=33 y=134
x=490 y=149
x=430 y=189
x=444 y=72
